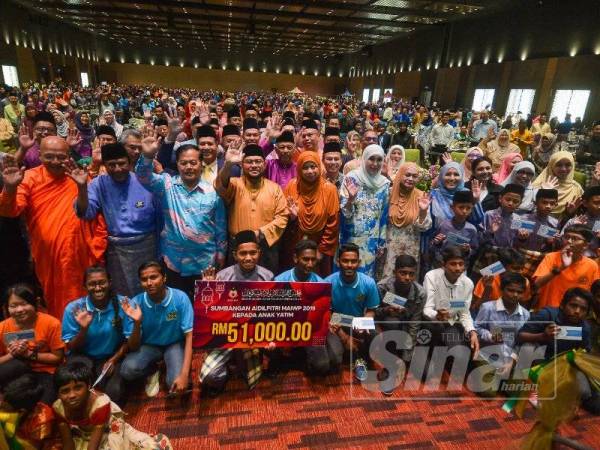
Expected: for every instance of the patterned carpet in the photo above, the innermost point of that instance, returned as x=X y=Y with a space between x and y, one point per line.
x=293 y=411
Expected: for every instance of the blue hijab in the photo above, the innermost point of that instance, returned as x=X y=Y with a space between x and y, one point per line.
x=441 y=197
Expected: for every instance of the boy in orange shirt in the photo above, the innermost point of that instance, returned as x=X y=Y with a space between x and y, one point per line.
x=560 y=271
x=488 y=287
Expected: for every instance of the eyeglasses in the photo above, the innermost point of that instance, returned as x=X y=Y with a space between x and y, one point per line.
x=371 y=139
x=44 y=130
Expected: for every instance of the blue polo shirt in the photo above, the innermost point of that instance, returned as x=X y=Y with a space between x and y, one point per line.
x=103 y=337
x=165 y=323
x=353 y=299
x=289 y=275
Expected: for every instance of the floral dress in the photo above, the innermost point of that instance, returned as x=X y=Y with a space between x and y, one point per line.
x=404 y=241
x=365 y=224
x=118 y=435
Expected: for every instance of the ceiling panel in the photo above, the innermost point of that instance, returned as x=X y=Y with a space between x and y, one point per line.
x=344 y=25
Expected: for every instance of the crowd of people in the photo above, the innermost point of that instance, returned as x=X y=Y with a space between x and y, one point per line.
x=115 y=199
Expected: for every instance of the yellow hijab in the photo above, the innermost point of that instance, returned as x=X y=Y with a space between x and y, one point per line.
x=569 y=190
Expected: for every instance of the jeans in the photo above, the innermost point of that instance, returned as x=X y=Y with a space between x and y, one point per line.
x=113 y=385
x=142 y=363
x=15 y=368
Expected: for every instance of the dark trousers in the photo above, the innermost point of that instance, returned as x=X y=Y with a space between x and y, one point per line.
x=112 y=385
x=435 y=154
x=186 y=284
x=328 y=358
x=15 y=368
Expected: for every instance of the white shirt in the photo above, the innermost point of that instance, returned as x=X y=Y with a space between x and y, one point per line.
x=439 y=293
x=441 y=134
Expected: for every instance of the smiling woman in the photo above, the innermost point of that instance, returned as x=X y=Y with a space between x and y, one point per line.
x=561 y=165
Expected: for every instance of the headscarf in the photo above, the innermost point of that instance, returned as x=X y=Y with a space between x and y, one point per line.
x=392 y=167
x=441 y=197
x=496 y=151
x=404 y=206
x=541 y=154
x=528 y=203
x=62 y=126
x=86 y=132
x=349 y=136
x=568 y=189
x=463 y=164
x=505 y=168
x=362 y=175
x=314 y=199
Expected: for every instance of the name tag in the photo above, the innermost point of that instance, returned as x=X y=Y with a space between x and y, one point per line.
x=457 y=305
x=520 y=224
x=24 y=335
x=493 y=269
x=570 y=333
x=394 y=300
x=363 y=323
x=342 y=320
x=457 y=239
x=546 y=231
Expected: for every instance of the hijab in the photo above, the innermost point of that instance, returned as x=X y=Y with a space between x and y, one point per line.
x=568 y=189
x=392 y=167
x=441 y=196
x=528 y=203
x=86 y=132
x=463 y=164
x=315 y=200
x=542 y=153
x=404 y=206
x=505 y=169
x=362 y=175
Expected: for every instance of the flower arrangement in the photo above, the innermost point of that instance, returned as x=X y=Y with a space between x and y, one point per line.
x=426 y=177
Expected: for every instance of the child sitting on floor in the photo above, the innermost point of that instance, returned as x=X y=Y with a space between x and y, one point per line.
x=88 y=420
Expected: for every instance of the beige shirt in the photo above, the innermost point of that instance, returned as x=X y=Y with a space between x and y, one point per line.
x=265 y=210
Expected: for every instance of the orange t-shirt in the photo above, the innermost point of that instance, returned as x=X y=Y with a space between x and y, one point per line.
x=47 y=332
x=579 y=274
x=496 y=292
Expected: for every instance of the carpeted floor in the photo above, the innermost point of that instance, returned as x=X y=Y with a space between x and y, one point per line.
x=292 y=411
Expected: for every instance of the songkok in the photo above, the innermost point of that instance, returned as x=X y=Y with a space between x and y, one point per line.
x=286 y=136
x=205 y=131
x=113 y=151
x=590 y=192
x=547 y=193
x=245 y=236
x=513 y=188
x=332 y=147
x=229 y=130
x=44 y=116
x=106 y=130
x=250 y=123
x=234 y=112
x=253 y=150
x=289 y=121
x=463 y=197
x=159 y=122
x=289 y=114
x=332 y=131
x=309 y=123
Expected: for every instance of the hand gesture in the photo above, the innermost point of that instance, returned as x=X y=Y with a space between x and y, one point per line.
x=25 y=139
x=551 y=331
x=131 y=309
x=596 y=173
x=566 y=256
x=580 y=219
x=151 y=145
x=551 y=183
x=476 y=190
x=293 y=208
x=496 y=224
x=442 y=315
x=487 y=280
x=523 y=235
x=179 y=386
x=572 y=207
x=17 y=348
x=96 y=153
x=73 y=137
x=83 y=317
x=12 y=175
x=234 y=154
x=439 y=239
x=174 y=126
x=78 y=174
x=209 y=274
x=446 y=157
x=424 y=201
x=351 y=188
x=491 y=134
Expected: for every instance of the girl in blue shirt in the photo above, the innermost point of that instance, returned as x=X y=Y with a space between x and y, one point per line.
x=95 y=328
